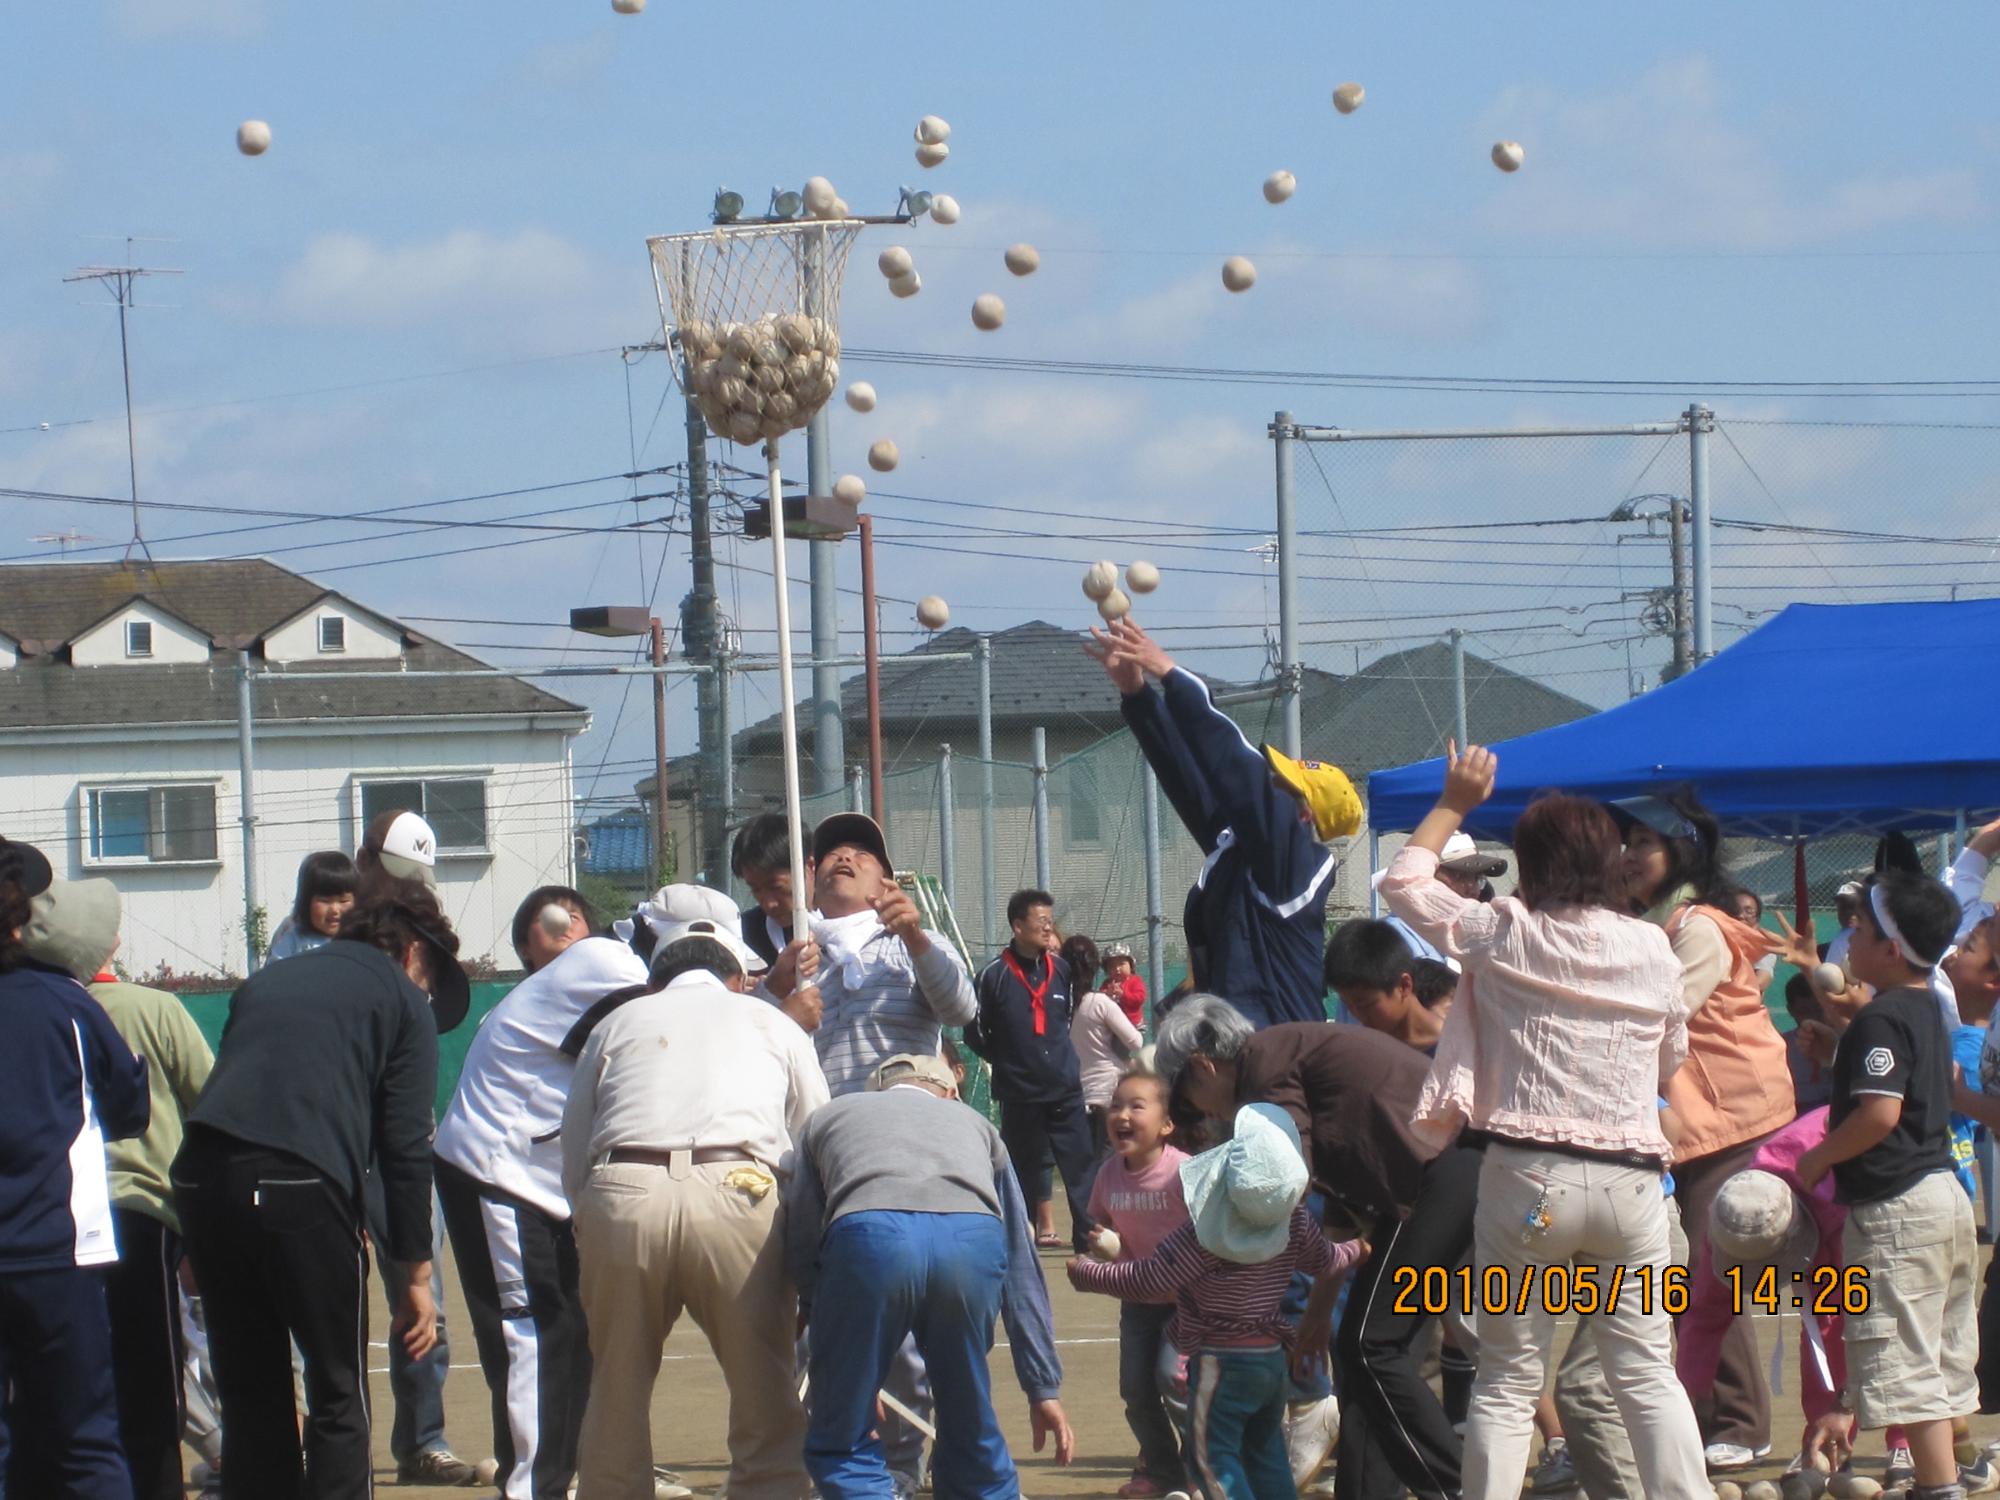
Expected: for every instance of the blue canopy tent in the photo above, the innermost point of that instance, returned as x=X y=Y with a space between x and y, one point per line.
x=1846 y=718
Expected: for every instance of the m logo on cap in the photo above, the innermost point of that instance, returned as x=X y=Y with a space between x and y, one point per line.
x=421 y=844
x=1878 y=1062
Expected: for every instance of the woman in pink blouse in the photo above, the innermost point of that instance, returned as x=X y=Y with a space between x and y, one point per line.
x=1567 y=1024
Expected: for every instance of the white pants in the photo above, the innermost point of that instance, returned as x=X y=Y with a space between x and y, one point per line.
x=1605 y=1223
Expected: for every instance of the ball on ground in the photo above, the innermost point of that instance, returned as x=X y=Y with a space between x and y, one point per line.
x=1238 y=274
x=486 y=1471
x=1763 y=1489
x=932 y=612
x=555 y=919
x=1142 y=577
x=1508 y=156
x=882 y=456
x=895 y=261
x=1804 y=1484
x=253 y=137
x=1099 y=579
x=932 y=154
x=861 y=396
x=932 y=131
x=944 y=209
x=1023 y=260
x=906 y=285
x=1830 y=979
x=1114 y=605
x=1347 y=98
x=1728 y=1489
x=988 y=312
x=849 y=490
x=819 y=196
x=1279 y=186
x=1854 y=1487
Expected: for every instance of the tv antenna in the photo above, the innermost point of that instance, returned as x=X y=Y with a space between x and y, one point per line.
x=64 y=539
x=119 y=282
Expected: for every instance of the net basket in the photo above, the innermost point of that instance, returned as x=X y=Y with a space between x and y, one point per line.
x=756 y=311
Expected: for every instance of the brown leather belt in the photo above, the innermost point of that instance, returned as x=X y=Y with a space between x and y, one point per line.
x=700 y=1156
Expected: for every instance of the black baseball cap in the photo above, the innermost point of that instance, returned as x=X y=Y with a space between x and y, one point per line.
x=850 y=828
x=28 y=867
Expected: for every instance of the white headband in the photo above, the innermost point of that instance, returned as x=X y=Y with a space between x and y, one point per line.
x=1893 y=933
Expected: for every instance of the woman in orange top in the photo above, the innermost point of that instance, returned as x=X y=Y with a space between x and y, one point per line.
x=1735 y=1088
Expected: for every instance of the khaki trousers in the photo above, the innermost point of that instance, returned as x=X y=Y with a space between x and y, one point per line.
x=654 y=1241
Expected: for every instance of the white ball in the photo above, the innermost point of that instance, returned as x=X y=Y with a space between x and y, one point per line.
x=1238 y=274
x=555 y=919
x=1107 y=1245
x=907 y=285
x=1099 y=579
x=849 y=490
x=894 y=262
x=628 y=7
x=882 y=456
x=1347 y=98
x=988 y=312
x=932 y=131
x=861 y=396
x=486 y=1471
x=932 y=612
x=1728 y=1489
x=944 y=209
x=1023 y=259
x=839 y=210
x=1508 y=155
x=820 y=196
x=1279 y=186
x=1763 y=1489
x=253 y=137
x=1114 y=605
x=1142 y=577
x=1830 y=979
x=931 y=155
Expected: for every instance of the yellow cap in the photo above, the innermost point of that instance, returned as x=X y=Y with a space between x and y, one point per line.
x=1325 y=790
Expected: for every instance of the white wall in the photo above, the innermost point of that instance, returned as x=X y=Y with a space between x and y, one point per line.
x=104 y=645
x=368 y=637
x=190 y=917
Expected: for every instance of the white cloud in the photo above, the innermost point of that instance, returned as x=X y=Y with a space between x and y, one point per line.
x=24 y=177
x=143 y=20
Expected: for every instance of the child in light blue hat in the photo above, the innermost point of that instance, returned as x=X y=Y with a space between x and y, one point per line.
x=1226 y=1272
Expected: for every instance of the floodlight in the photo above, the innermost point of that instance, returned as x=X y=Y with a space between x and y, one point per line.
x=728 y=206
x=786 y=203
x=914 y=204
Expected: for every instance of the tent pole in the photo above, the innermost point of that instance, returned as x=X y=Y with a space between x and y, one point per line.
x=1801 y=895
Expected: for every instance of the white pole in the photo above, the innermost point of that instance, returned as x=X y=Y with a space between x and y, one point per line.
x=1700 y=423
x=787 y=707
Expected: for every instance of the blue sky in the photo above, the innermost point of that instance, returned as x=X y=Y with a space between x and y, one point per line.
x=462 y=193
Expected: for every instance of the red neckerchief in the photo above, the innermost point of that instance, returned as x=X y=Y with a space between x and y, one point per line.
x=1036 y=994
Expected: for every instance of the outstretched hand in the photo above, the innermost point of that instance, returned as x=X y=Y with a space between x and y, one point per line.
x=1128 y=654
x=1801 y=945
x=1468 y=777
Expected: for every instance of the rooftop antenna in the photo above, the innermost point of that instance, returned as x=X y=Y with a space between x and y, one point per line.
x=118 y=281
x=65 y=539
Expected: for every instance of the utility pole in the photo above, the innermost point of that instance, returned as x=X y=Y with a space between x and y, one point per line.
x=1288 y=580
x=1700 y=423
x=1458 y=718
x=118 y=281
x=1677 y=530
x=700 y=640
x=823 y=562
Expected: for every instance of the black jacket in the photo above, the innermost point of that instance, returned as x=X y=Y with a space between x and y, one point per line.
x=1029 y=1067
x=332 y=1056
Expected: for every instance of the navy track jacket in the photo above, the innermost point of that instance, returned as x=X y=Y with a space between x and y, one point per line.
x=1256 y=918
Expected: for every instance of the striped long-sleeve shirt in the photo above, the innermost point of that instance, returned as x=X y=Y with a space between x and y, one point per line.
x=882 y=1001
x=1217 y=1302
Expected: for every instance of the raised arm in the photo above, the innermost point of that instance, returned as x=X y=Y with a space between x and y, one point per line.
x=1455 y=925
x=1145 y=713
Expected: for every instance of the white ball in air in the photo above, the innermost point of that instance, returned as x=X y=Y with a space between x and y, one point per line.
x=1114 y=605
x=1099 y=579
x=894 y=262
x=849 y=490
x=820 y=197
x=882 y=456
x=1238 y=274
x=1508 y=155
x=932 y=131
x=988 y=312
x=944 y=209
x=932 y=154
x=1279 y=186
x=628 y=7
x=1023 y=259
x=932 y=612
x=1142 y=577
x=1347 y=98
x=861 y=396
x=555 y=919
x=906 y=285
x=253 y=137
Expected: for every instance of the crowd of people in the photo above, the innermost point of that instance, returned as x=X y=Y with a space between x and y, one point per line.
x=1568 y=1100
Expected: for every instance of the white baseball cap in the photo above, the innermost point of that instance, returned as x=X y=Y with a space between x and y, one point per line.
x=407 y=848
x=678 y=912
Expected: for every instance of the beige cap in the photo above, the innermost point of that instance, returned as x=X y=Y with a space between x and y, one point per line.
x=913 y=1067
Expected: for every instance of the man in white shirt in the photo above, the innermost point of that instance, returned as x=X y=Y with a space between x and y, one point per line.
x=676 y=1142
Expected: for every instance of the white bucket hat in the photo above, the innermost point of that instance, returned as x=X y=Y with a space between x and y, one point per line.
x=1758 y=1220
x=1241 y=1195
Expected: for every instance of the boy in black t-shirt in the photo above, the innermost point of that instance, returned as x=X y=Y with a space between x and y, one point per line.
x=1911 y=1354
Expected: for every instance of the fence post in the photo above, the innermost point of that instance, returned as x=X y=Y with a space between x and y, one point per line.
x=1374 y=864
x=854 y=798
x=982 y=654
x=1288 y=583
x=1700 y=423
x=946 y=811
x=1041 y=758
x=247 y=804
x=1458 y=688
x=1156 y=916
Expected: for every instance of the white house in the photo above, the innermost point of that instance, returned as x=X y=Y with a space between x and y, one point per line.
x=120 y=755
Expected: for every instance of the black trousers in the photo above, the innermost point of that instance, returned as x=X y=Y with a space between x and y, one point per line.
x=59 y=1432
x=1393 y=1430
x=1060 y=1126
x=144 y=1293
x=517 y=1268
x=277 y=1253
x=1989 y=1339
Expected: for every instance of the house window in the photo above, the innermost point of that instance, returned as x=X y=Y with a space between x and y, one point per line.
x=454 y=806
x=152 y=825
x=1086 y=814
x=332 y=633
x=138 y=637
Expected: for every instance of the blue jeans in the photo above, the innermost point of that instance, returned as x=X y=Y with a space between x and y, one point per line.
x=1318 y=1382
x=416 y=1385
x=884 y=1276
x=1236 y=1425
x=1155 y=1396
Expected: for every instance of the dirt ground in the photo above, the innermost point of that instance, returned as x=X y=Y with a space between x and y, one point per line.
x=690 y=1414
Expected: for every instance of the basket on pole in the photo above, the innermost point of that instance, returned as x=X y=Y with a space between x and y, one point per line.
x=755 y=310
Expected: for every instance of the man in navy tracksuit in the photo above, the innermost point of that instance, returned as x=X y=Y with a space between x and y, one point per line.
x=68 y=1083
x=1022 y=1030
x=1256 y=918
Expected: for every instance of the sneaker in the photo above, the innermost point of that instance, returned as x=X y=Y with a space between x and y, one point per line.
x=1141 y=1486
x=667 y=1485
x=1311 y=1430
x=1554 y=1474
x=1902 y=1470
x=439 y=1466
x=1322 y=1488
x=1981 y=1477
x=1724 y=1458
